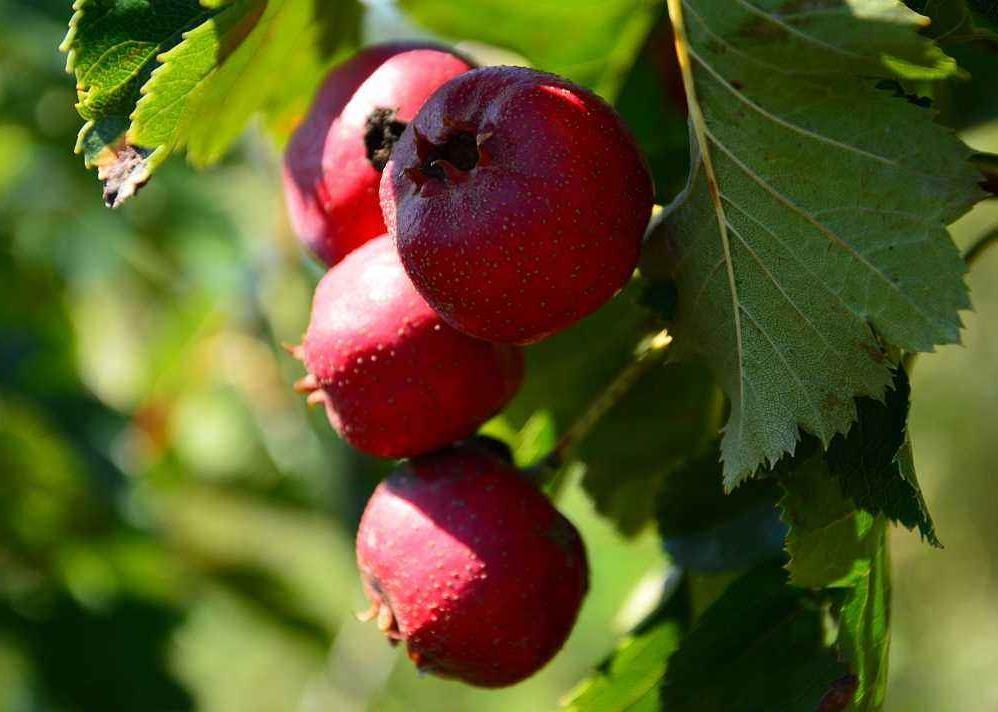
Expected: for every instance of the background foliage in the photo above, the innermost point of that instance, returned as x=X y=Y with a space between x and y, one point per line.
x=176 y=528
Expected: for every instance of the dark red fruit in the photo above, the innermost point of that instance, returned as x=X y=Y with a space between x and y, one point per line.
x=471 y=566
x=334 y=160
x=518 y=201
x=396 y=380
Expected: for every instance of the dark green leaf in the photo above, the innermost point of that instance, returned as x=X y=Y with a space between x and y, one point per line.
x=666 y=416
x=959 y=20
x=763 y=645
x=670 y=414
x=815 y=213
x=596 y=39
x=704 y=529
x=652 y=102
x=873 y=461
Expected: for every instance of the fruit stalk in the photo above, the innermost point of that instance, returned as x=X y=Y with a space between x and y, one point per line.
x=650 y=352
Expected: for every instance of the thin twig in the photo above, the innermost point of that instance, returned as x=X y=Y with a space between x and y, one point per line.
x=981 y=246
x=649 y=353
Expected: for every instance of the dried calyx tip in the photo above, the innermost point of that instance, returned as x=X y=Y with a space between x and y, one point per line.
x=381 y=132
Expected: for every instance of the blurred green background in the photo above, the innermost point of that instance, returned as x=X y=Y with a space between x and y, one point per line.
x=176 y=528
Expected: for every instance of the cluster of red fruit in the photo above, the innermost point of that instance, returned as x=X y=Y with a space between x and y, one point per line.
x=463 y=213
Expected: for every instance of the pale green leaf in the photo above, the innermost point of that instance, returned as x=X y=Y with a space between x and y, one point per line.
x=814 y=218
x=864 y=630
x=592 y=42
x=225 y=70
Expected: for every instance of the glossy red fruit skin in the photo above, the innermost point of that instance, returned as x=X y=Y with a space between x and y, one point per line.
x=331 y=187
x=396 y=381
x=469 y=564
x=545 y=227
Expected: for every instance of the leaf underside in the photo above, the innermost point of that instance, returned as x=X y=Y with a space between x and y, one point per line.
x=812 y=228
x=157 y=77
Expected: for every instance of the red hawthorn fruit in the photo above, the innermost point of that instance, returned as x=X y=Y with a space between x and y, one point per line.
x=469 y=564
x=518 y=202
x=333 y=162
x=395 y=379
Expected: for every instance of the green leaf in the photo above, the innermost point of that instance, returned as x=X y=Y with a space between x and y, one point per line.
x=873 y=461
x=111 y=48
x=629 y=680
x=567 y=371
x=985 y=12
x=763 y=645
x=814 y=217
x=955 y=21
x=864 y=630
x=834 y=545
x=670 y=413
x=830 y=542
x=705 y=529
x=156 y=77
x=597 y=40
x=653 y=105
x=229 y=68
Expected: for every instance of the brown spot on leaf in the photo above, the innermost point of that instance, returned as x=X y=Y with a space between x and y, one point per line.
x=831 y=402
x=762 y=28
x=875 y=353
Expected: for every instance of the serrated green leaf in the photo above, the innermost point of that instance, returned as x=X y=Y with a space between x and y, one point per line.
x=864 y=631
x=873 y=461
x=762 y=645
x=597 y=39
x=225 y=70
x=154 y=77
x=111 y=48
x=629 y=679
x=814 y=218
x=830 y=542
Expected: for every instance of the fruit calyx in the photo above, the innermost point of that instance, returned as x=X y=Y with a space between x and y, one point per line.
x=450 y=159
x=382 y=130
